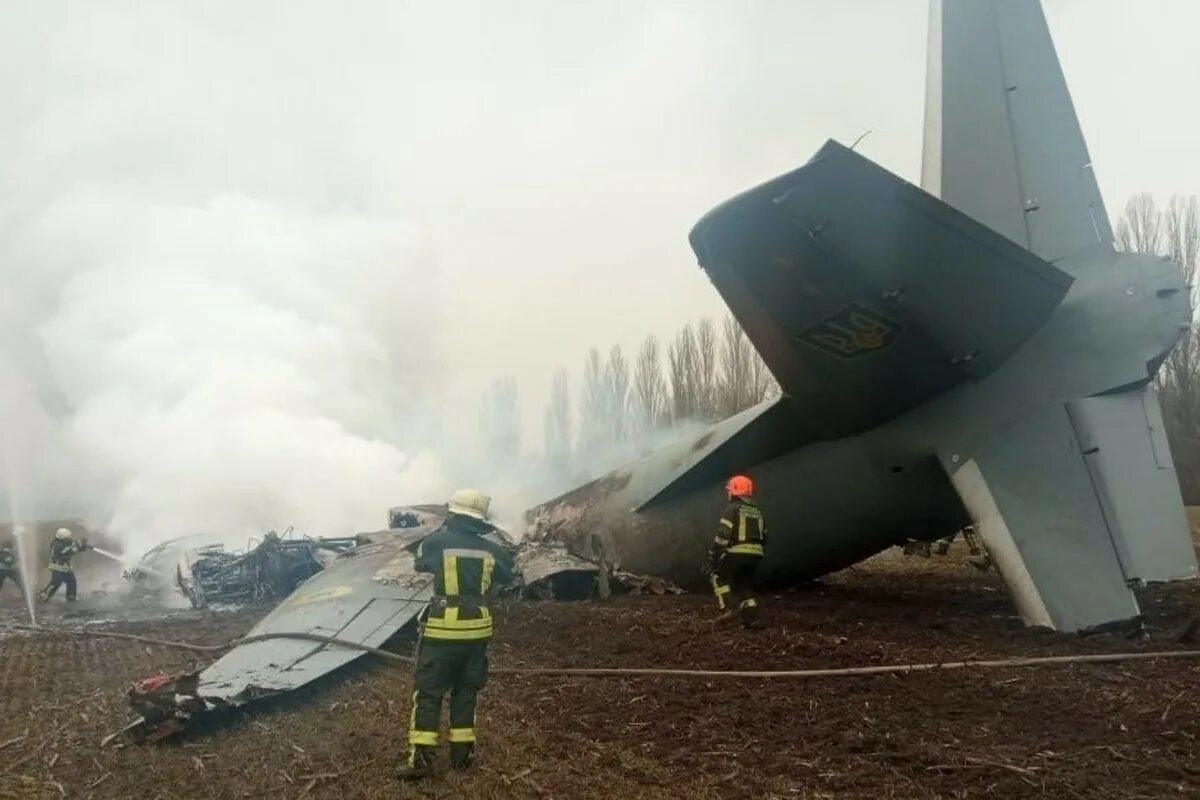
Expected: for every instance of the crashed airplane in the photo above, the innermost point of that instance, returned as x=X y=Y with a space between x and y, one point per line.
x=974 y=351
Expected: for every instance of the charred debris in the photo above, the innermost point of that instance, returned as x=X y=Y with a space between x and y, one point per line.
x=363 y=590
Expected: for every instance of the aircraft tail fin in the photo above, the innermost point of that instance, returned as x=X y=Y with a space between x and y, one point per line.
x=1002 y=141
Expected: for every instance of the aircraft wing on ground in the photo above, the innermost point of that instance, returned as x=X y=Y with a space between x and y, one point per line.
x=365 y=597
x=867 y=296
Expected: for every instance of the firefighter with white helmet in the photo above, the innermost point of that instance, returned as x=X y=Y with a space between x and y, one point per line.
x=62 y=550
x=452 y=653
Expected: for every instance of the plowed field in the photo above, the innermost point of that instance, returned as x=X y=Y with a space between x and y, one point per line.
x=1076 y=731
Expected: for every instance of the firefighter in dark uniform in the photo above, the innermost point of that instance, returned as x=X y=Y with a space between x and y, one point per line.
x=452 y=653
x=736 y=552
x=8 y=564
x=62 y=550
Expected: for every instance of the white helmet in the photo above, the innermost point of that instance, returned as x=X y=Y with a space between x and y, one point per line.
x=62 y=533
x=469 y=503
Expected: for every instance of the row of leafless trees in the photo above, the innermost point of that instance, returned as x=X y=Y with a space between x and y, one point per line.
x=1174 y=230
x=704 y=373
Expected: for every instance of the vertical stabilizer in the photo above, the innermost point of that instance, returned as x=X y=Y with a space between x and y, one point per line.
x=1002 y=142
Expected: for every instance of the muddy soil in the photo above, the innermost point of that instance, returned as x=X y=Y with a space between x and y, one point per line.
x=1081 y=731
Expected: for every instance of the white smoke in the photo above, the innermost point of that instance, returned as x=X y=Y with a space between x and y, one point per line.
x=251 y=254
x=231 y=366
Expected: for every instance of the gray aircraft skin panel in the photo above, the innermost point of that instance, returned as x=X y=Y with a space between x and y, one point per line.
x=1034 y=504
x=364 y=597
x=1003 y=143
x=1129 y=460
x=852 y=283
x=1053 y=443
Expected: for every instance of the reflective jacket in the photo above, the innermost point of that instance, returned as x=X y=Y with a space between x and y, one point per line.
x=465 y=567
x=8 y=559
x=61 y=553
x=742 y=530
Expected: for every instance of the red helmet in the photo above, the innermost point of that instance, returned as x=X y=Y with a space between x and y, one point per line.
x=739 y=486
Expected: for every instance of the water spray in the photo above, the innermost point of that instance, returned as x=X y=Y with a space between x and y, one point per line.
x=23 y=540
x=107 y=554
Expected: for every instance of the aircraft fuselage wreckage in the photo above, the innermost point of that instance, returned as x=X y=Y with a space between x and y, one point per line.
x=972 y=351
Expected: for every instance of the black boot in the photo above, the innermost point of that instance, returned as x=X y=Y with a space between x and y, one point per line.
x=418 y=765
x=462 y=755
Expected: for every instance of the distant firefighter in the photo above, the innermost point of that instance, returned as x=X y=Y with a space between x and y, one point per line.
x=62 y=550
x=8 y=563
x=452 y=652
x=736 y=552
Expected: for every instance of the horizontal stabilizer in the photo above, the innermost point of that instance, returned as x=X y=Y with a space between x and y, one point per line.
x=1125 y=448
x=867 y=296
x=1035 y=505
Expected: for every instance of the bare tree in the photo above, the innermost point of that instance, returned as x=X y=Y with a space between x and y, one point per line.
x=557 y=422
x=681 y=359
x=649 y=397
x=744 y=380
x=592 y=408
x=705 y=367
x=1140 y=229
x=499 y=423
x=616 y=401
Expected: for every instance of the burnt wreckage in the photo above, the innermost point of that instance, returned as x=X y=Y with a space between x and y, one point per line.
x=207 y=574
x=364 y=590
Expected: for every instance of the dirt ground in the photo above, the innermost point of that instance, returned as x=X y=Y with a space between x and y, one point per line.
x=1082 y=731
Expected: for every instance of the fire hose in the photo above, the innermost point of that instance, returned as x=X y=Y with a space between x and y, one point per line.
x=625 y=672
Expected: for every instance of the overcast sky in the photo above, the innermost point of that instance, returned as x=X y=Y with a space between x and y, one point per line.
x=531 y=168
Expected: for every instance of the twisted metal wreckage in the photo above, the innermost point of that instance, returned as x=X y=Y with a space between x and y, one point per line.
x=364 y=590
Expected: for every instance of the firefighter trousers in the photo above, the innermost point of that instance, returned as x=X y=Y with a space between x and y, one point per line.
x=13 y=575
x=459 y=668
x=60 y=578
x=733 y=581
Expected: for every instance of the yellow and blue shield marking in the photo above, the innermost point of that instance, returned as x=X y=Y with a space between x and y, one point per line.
x=852 y=332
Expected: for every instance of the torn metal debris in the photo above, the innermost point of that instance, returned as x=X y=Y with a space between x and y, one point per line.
x=207 y=574
x=363 y=590
x=366 y=594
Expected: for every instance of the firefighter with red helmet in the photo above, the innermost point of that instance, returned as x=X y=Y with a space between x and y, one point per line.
x=736 y=551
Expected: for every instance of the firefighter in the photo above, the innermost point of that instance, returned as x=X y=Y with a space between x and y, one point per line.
x=452 y=652
x=62 y=550
x=736 y=552
x=8 y=563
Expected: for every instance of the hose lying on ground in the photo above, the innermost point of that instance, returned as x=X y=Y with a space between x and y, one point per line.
x=625 y=672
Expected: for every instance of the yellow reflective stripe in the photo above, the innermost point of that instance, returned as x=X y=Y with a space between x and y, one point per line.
x=741 y=534
x=423 y=738
x=450 y=573
x=749 y=603
x=417 y=737
x=456 y=635
x=751 y=549
x=727 y=523
x=721 y=540
x=60 y=567
x=458 y=624
x=450 y=619
x=462 y=735
x=489 y=564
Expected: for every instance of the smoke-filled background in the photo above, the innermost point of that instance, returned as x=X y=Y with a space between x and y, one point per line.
x=260 y=261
